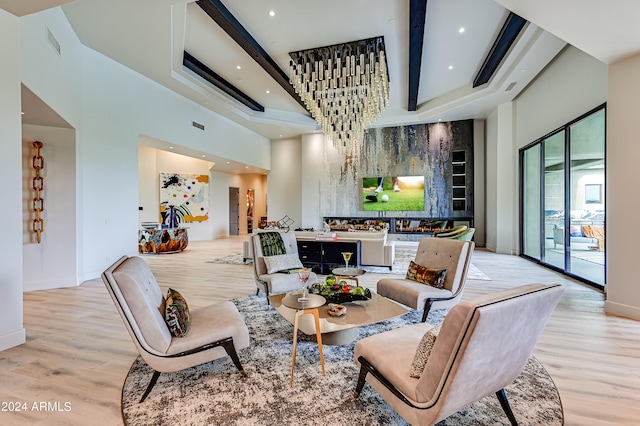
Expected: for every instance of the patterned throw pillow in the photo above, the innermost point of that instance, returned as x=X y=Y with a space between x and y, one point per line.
x=422 y=353
x=282 y=262
x=176 y=314
x=424 y=275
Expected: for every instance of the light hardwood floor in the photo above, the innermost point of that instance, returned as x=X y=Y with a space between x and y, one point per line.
x=78 y=351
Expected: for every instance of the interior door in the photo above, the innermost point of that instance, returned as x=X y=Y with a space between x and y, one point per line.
x=234 y=211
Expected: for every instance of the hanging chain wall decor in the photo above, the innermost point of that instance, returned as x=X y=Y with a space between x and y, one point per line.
x=38 y=187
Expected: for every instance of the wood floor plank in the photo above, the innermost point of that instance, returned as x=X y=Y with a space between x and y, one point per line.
x=78 y=350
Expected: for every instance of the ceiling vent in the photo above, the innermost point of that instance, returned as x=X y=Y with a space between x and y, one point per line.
x=197 y=125
x=510 y=86
x=52 y=40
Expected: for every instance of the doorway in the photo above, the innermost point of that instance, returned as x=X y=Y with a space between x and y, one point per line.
x=234 y=211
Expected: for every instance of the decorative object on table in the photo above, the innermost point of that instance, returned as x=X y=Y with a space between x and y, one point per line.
x=38 y=187
x=346 y=255
x=195 y=396
x=336 y=310
x=340 y=292
x=345 y=86
x=184 y=198
x=303 y=276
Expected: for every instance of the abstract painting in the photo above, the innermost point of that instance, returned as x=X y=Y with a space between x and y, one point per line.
x=184 y=198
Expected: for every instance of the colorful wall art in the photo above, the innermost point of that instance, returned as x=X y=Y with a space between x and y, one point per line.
x=184 y=198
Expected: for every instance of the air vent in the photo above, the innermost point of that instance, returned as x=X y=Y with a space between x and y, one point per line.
x=52 y=40
x=197 y=125
x=510 y=86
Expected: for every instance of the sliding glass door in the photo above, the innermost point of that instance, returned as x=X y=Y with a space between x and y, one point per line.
x=563 y=199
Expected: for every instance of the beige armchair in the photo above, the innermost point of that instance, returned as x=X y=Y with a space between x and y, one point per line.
x=436 y=253
x=277 y=282
x=215 y=331
x=481 y=348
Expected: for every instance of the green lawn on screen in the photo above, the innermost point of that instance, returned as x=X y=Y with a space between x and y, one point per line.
x=406 y=199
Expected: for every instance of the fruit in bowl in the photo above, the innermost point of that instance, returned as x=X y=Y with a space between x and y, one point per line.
x=338 y=293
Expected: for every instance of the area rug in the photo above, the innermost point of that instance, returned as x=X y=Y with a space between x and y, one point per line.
x=403 y=256
x=216 y=394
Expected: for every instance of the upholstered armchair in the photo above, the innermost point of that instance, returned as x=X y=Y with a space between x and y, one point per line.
x=458 y=233
x=268 y=274
x=482 y=346
x=451 y=255
x=453 y=231
x=214 y=331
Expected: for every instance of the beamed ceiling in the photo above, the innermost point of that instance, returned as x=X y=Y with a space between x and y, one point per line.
x=232 y=56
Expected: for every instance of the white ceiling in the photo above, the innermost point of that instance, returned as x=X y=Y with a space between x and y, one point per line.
x=149 y=37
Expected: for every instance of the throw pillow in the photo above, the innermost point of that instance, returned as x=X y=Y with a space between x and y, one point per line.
x=422 y=353
x=282 y=262
x=177 y=314
x=424 y=275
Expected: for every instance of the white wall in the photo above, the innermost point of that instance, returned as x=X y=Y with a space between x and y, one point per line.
x=623 y=152
x=52 y=263
x=573 y=84
x=285 y=181
x=12 y=332
x=501 y=161
x=110 y=106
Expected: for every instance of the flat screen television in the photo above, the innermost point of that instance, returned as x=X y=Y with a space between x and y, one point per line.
x=393 y=193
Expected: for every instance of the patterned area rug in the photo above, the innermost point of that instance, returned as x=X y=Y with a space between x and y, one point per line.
x=216 y=394
x=404 y=254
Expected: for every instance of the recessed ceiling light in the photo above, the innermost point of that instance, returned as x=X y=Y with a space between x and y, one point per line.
x=268 y=92
x=272 y=13
x=450 y=67
x=246 y=167
x=238 y=67
x=461 y=30
x=228 y=162
x=170 y=147
x=203 y=156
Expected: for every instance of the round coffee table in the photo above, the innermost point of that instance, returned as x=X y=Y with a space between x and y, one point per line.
x=348 y=274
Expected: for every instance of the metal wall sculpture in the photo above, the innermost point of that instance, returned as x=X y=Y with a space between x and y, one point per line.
x=38 y=187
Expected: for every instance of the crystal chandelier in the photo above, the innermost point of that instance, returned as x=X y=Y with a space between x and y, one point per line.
x=345 y=87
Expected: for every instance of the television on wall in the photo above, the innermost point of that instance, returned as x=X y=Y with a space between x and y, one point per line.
x=393 y=193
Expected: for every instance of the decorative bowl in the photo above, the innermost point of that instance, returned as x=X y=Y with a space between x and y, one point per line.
x=336 y=310
x=333 y=294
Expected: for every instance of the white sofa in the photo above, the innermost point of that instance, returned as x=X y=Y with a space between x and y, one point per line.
x=376 y=249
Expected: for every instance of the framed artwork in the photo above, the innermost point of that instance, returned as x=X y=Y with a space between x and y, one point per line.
x=184 y=198
x=593 y=193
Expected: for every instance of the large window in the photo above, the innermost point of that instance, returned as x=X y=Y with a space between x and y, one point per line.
x=563 y=198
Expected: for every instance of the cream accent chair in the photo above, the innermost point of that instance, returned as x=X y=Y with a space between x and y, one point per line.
x=481 y=348
x=436 y=253
x=276 y=283
x=216 y=330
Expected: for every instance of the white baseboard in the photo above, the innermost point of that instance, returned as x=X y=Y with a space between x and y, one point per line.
x=13 y=339
x=622 y=310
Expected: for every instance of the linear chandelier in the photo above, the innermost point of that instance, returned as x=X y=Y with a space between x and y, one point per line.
x=345 y=87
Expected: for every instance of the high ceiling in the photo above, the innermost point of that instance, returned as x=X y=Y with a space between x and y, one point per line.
x=150 y=36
